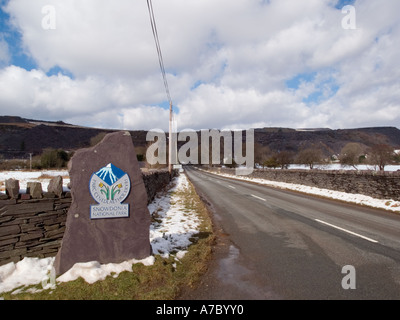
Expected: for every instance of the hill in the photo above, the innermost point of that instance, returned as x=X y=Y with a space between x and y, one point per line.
x=19 y=137
x=329 y=141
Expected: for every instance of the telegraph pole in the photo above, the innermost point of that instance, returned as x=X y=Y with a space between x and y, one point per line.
x=30 y=161
x=170 y=139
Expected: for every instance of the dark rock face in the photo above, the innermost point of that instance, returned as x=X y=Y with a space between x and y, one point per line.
x=109 y=240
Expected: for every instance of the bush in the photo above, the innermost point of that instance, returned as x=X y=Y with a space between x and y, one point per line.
x=52 y=158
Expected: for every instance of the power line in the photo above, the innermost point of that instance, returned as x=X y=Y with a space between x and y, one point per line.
x=161 y=61
x=158 y=47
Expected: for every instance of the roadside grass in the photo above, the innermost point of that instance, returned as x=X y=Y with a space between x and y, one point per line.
x=164 y=280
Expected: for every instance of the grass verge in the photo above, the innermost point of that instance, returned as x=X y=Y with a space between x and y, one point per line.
x=164 y=280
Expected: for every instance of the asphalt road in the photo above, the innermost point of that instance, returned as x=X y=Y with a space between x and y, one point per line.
x=275 y=244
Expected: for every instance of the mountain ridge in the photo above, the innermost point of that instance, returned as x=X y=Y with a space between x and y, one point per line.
x=19 y=137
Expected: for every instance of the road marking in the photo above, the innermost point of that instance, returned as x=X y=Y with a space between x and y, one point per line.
x=345 y=230
x=258 y=197
x=232 y=187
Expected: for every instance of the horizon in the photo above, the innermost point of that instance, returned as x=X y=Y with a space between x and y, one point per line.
x=53 y=121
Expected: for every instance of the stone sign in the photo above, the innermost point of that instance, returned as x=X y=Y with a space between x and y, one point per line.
x=108 y=220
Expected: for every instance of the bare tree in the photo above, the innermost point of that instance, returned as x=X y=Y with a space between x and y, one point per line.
x=381 y=155
x=309 y=156
x=284 y=159
x=350 y=154
x=261 y=153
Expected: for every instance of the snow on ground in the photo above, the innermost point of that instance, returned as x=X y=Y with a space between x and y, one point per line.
x=43 y=176
x=174 y=224
x=390 y=205
x=170 y=232
x=338 y=166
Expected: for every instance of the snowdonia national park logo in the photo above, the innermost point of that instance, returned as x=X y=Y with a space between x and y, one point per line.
x=109 y=186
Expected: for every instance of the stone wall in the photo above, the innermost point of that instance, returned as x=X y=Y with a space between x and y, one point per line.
x=376 y=184
x=155 y=181
x=33 y=225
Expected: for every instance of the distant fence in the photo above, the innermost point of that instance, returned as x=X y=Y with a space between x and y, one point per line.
x=376 y=184
x=34 y=227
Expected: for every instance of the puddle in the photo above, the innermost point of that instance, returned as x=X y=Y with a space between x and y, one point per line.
x=233 y=273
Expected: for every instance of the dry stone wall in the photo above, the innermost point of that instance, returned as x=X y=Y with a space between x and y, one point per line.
x=376 y=184
x=33 y=225
x=155 y=181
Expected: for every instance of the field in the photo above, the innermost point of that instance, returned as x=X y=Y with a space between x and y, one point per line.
x=24 y=177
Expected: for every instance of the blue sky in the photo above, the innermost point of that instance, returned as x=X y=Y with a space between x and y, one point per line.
x=14 y=41
x=323 y=90
x=341 y=3
x=18 y=55
x=229 y=64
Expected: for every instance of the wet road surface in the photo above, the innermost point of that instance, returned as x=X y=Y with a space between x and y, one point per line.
x=275 y=244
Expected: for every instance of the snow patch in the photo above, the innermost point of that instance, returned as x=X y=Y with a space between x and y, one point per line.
x=361 y=199
x=94 y=271
x=33 y=176
x=170 y=232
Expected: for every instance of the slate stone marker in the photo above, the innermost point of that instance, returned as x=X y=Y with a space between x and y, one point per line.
x=56 y=186
x=34 y=189
x=108 y=220
x=12 y=188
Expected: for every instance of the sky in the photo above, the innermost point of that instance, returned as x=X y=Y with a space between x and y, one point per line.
x=229 y=64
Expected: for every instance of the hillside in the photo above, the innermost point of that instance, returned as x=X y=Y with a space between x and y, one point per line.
x=19 y=137
x=329 y=141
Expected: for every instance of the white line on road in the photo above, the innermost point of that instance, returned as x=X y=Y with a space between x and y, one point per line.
x=232 y=187
x=258 y=197
x=344 y=230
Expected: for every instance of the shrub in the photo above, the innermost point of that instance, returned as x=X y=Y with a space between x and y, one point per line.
x=52 y=158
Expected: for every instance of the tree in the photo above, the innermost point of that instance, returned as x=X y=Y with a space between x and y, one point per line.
x=52 y=158
x=271 y=162
x=309 y=156
x=381 y=155
x=350 y=154
x=261 y=153
x=284 y=159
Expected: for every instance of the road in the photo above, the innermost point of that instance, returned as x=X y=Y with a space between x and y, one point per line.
x=276 y=244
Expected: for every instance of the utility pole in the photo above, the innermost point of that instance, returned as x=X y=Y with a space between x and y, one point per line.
x=30 y=161
x=170 y=139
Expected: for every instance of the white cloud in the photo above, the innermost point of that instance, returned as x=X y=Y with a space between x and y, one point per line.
x=227 y=63
x=91 y=100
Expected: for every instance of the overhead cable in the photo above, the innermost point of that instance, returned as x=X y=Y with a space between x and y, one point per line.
x=158 y=46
